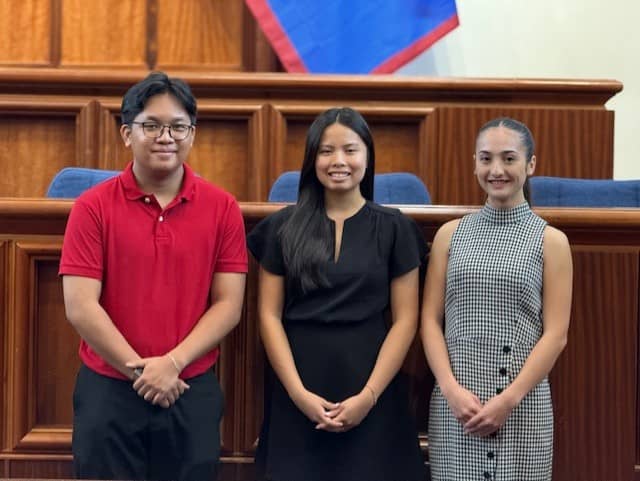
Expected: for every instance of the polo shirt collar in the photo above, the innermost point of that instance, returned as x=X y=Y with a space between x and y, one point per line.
x=133 y=192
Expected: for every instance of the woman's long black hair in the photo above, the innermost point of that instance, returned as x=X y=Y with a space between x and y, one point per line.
x=527 y=141
x=306 y=236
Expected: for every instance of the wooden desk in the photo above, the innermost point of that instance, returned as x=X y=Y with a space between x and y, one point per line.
x=252 y=127
x=595 y=383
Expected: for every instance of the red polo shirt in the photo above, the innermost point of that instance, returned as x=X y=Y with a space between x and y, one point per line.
x=156 y=265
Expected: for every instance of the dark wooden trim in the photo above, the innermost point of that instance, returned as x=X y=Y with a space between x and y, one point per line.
x=55 y=46
x=151 y=53
x=594 y=93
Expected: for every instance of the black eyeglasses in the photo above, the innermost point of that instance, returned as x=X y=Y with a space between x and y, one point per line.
x=153 y=130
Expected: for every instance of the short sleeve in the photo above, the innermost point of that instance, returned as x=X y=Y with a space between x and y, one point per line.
x=232 y=256
x=264 y=242
x=409 y=247
x=82 y=247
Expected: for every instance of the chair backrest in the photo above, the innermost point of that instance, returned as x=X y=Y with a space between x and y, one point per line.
x=392 y=188
x=285 y=188
x=70 y=182
x=570 y=192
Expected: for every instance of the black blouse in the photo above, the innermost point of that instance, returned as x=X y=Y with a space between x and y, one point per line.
x=378 y=244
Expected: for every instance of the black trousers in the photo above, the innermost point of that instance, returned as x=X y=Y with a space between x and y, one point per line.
x=119 y=435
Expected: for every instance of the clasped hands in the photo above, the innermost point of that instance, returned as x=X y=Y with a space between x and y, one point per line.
x=334 y=417
x=159 y=383
x=479 y=419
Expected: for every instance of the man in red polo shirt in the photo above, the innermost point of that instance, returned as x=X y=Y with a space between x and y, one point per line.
x=153 y=266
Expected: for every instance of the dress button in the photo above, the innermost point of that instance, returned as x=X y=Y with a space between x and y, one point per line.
x=491 y=455
x=506 y=349
x=487 y=475
x=160 y=218
x=499 y=390
x=147 y=200
x=503 y=371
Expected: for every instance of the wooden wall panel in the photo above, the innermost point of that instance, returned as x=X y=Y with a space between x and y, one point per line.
x=200 y=34
x=224 y=149
x=43 y=361
x=25 y=32
x=397 y=146
x=108 y=33
x=424 y=126
x=55 y=348
x=112 y=154
x=154 y=34
x=242 y=352
x=220 y=154
x=572 y=143
x=47 y=466
x=396 y=140
x=398 y=134
x=33 y=149
x=594 y=382
x=4 y=316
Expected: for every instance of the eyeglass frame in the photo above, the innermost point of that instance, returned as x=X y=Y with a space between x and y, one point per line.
x=162 y=129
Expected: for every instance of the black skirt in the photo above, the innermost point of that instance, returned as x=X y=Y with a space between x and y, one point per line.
x=334 y=361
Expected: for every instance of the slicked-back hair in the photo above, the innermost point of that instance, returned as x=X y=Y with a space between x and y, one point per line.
x=306 y=236
x=526 y=137
x=157 y=83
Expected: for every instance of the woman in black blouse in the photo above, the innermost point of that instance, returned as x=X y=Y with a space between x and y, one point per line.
x=330 y=266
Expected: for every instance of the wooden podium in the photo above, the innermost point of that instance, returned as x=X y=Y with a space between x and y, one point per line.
x=594 y=385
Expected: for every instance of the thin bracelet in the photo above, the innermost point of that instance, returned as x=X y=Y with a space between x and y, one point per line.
x=373 y=394
x=173 y=360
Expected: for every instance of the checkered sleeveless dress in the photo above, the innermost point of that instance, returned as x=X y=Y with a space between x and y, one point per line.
x=493 y=319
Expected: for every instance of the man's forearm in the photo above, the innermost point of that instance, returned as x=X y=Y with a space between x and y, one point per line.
x=209 y=332
x=96 y=328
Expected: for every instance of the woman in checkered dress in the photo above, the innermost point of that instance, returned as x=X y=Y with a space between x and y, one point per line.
x=494 y=320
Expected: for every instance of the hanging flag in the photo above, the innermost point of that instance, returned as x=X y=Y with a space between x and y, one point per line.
x=352 y=36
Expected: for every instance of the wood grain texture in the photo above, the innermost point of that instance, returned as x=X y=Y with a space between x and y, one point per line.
x=108 y=33
x=25 y=32
x=156 y=34
x=594 y=384
x=397 y=132
x=564 y=93
x=34 y=148
x=40 y=466
x=424 y=126
x=39 y=385
x=4 y=316
x=55 y=346
x=200 y=34
x=570 y=143
x=220 y=154
x=258 y=56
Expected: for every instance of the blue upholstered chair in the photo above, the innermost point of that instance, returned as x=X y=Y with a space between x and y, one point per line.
x=570 y=192
x=70 y=182
x=393 y=188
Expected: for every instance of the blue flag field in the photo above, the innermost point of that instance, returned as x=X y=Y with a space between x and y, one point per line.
x=352 y=36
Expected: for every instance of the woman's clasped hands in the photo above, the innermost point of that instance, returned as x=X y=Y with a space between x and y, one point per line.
x=331 y=416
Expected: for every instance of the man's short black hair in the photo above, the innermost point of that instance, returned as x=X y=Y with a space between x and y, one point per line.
x=157 y=83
